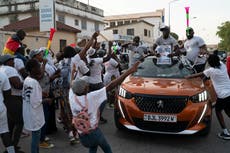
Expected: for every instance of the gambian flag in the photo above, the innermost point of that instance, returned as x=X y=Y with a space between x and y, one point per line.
x=11 y=47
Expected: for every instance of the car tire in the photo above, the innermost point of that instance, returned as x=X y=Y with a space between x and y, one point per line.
x=206 y=130
x=118 y=125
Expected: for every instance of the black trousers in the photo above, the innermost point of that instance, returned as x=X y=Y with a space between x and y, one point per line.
x=15 y=118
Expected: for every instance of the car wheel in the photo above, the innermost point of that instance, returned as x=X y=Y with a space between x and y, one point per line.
x=206 y=130
x=118 y=125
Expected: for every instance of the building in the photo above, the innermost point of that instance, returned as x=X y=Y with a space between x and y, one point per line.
x=65 y=34
x=70 y=12
x=126 y=32
x=150 y=23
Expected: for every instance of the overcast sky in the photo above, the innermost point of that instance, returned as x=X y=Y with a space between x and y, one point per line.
x=205 y=15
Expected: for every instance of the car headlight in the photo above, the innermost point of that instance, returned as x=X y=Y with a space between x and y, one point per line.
x=201 y=97
x=125 y=94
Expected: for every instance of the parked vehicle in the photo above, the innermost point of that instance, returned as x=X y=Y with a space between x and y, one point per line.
x=158 y=99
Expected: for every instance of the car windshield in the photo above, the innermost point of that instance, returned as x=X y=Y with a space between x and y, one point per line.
x=150 y=69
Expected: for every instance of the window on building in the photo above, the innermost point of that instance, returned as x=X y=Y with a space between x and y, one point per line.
x=76 y=23
x=134 y=21
x=120 y=23
x=127 y=22
x=62 y=44
x=61 y=18
x=149 y=33
x=145 y=32
x=130 y=32
x=115 y=31
x=84 y=24
x=96 y=26
x=93 y=9
x=112 y=24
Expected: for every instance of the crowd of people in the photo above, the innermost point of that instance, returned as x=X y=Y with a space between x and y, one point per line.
x=34 y=85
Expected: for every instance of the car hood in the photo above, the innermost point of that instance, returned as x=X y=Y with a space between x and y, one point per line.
x=163 y=86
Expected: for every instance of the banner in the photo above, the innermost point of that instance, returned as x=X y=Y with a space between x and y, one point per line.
x=46 y=15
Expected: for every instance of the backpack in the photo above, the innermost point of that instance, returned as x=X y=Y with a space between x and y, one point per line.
x=81 y=122
x=65 y=73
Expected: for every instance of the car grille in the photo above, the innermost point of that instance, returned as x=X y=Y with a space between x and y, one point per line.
x=160 y=104
x=160 y=126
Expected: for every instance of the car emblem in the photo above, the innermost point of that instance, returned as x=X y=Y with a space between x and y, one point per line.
x=160 y=104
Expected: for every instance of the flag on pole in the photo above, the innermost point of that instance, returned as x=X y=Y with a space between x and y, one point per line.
x=52 y=31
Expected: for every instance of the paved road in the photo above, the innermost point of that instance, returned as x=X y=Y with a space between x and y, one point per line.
x=135 y=142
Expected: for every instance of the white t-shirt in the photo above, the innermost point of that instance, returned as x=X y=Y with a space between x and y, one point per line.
x=192 y=47
x=33 y=114
x=95 y=99
x=95 y=70
x=81 y=67
x=18 y=64
x=12 y=72
x=110 y=70
x=50 y=69
x=220 y=80
x=135 y=51
x=4 y=86
x=169 y=41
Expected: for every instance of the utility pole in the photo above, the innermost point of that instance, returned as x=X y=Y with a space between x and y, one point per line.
x=169 y=9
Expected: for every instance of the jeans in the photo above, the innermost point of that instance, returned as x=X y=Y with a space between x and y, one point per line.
x=46 y=114
x=95 y=139
x=35 y=141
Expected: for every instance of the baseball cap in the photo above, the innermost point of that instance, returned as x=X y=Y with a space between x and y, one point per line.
x=5 y=58
x=79 y=85
x=164 y=27
x=35 y=52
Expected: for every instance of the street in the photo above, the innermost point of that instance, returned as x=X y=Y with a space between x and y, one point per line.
x=135 y=142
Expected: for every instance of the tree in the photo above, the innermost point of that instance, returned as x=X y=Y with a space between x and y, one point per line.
x=224 y=33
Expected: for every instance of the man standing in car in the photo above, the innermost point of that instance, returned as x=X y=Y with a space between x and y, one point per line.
x=195 y=49
x=166 y=39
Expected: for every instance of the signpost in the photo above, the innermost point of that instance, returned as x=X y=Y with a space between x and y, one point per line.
x=46 y=15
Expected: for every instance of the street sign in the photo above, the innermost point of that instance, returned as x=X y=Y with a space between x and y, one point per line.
x=46 y=15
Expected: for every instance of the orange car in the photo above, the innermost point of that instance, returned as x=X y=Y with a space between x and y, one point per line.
x=158 y=99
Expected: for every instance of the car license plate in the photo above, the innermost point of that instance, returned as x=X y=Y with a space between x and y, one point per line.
x=160 y=118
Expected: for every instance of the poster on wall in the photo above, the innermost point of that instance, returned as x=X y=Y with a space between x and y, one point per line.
x=46 y=15
x=164 y=51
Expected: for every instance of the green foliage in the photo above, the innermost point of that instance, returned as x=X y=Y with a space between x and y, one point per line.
x=224 y=33
x=174 y=35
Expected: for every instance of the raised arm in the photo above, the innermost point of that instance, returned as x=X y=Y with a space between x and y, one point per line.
x=201 y=74
x=108 y=56
x=88 y=45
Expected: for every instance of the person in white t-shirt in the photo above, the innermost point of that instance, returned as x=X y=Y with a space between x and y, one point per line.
x=221 y=82
x=195 y=50
x=48 y=73
x=79 y=95
x=95 y=78
x=14 y=106
x=166 y=39
x=111 y=72
x=4 y=96
x=20 y=67
x=136 y=50
x=33 y=114
x=53 y=73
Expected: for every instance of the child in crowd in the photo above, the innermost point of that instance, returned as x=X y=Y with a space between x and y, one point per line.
x=33 y=114
x=221 y=82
